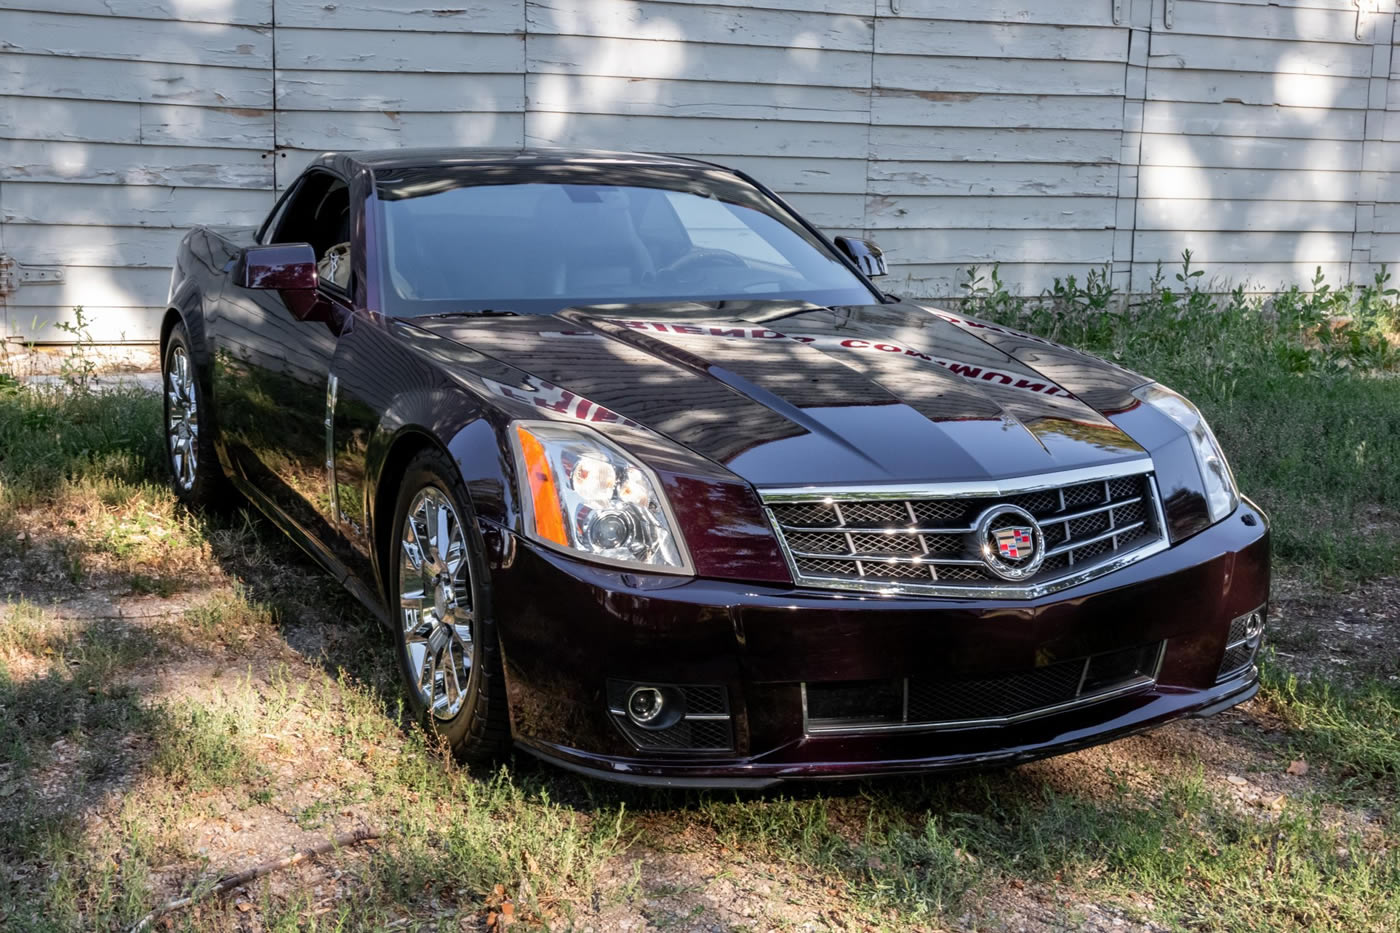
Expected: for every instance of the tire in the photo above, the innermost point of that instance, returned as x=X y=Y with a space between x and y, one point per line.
x=444 y=635
x=195 y=474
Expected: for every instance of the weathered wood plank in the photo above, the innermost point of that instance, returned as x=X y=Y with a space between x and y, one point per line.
x=992 y=76
x=958 y=37
x=1264 y=21
x=106 y=206
x=1210 y=247
x=352 y=91
x=695 y=61
x=1236 y=119
x=561 y=93
x=48 y=118
x=697 y=136
x=1159 y=181
x=240 y=127
x=242 y=13
x=34 y=117
x=316 y=130
x=351 y=50
x=1083 y=247
x=1185 y=213
x=65 y=35
x=909 y=212
x=1304 y=4
x=1171 y=49
x=1050 y=12
x=940 y=281
x=111 y=286
x=1385 y=248
x=469 y=16
x=930 y=143
x=110 y=164
x=784 y=174
x=1250 y=152
x=1387 y=216
x=847 y=7
x=675 y=22
x=61 y=245
x=1237 y=87
x=896 y=107
x=141 y=82
x=829 y=211
x=905 y=178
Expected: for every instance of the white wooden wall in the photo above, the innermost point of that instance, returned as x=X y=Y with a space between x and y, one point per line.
x=1051 y=136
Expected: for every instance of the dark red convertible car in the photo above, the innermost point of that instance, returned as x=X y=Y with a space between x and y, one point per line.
x=648 y=478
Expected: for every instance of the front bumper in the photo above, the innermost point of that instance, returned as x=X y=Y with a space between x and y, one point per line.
x=567 y=628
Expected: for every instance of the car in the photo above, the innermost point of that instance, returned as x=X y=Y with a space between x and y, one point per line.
x=646 y=477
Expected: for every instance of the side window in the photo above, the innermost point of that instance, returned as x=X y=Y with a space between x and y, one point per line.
x=318 y=212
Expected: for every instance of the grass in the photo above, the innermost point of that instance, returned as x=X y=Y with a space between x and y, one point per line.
x=1356 y=729
x=184 y=695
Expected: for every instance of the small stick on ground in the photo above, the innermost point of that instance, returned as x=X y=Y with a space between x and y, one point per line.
x=229 y=882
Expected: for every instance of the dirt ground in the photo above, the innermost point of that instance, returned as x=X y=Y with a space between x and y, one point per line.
x=670 y=874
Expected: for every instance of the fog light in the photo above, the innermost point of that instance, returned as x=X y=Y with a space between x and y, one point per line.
x=1254 y=626
x=645 y=706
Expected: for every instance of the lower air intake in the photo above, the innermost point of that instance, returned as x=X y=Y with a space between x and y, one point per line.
x=967 y=702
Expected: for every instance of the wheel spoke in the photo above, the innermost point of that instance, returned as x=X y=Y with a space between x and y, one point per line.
x=451 y=686
x=456 y=551
x=426 y=671
x=412 y=547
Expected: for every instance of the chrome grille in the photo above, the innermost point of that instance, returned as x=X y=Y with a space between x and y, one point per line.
x=925 y=540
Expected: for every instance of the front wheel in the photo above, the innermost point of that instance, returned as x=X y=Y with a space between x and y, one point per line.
x=446 y=640
x=189 y=444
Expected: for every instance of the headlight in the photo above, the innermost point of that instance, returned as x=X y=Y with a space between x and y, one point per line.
x=584 y=495
x=1221 y=494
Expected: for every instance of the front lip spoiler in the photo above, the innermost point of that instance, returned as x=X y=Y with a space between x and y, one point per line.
x=733 y=777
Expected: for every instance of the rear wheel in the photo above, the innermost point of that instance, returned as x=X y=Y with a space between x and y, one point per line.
x=189 y=444
x=446 y=640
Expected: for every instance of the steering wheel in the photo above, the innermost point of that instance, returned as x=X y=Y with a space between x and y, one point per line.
x=689 y=267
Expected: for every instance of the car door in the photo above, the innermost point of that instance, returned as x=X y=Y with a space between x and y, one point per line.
x=272 y=369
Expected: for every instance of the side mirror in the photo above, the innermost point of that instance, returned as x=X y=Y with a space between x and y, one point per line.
x=868 y=257
x=289 y=269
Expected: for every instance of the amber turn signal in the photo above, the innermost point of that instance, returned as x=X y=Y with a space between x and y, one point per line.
x=544 y=491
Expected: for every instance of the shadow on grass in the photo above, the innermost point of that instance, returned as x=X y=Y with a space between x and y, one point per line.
x=78 y=735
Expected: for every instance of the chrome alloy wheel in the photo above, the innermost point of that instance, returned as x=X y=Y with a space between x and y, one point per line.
x=182 y=417
x=435 y=601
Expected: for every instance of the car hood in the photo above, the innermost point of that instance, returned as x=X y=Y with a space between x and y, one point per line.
x=792 y=394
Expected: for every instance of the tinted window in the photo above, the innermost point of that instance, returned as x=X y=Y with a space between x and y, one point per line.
x=539 y=245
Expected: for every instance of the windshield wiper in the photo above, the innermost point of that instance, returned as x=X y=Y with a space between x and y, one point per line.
x=480 y=312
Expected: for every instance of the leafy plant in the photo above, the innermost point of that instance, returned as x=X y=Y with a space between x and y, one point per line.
x=79 y=367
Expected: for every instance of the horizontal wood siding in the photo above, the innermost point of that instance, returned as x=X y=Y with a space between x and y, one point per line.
x=1254 y=127
x=1261 y=134
x=781 y=93
x=995 y=135
x=121 y=125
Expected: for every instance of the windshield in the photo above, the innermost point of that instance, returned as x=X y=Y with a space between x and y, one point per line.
x=539 y=246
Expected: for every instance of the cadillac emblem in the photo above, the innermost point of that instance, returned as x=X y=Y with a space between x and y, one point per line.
x=1010 y=542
